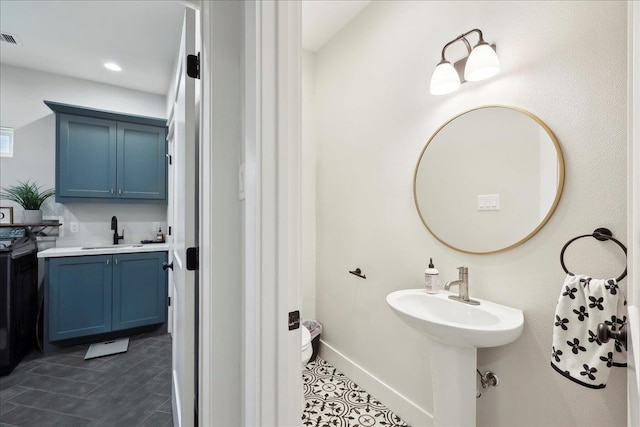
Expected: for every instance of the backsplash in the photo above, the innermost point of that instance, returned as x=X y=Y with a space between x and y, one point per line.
x=94 y=222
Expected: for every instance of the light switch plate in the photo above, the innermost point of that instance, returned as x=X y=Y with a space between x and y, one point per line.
x=488 y=202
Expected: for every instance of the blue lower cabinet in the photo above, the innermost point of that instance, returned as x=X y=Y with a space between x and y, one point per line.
x=79 y=296
x=89 y=295
x=138 y=299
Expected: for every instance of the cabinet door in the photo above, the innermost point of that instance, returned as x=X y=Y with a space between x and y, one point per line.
x=86 y=157
x=142 y=162
x=79 y=300
x=139 y=290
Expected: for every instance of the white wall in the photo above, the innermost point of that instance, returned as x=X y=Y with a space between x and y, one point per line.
x=22 y=92
x=308 y=288
x=563 y=61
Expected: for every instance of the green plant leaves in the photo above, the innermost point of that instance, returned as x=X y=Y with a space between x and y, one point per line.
x=27 y=194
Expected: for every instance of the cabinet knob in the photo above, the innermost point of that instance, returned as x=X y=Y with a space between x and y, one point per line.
x=112 y=191
x=165 y=266
x=107 y=262
x=120 y=191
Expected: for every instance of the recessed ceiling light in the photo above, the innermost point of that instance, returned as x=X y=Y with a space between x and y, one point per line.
x=112 y=66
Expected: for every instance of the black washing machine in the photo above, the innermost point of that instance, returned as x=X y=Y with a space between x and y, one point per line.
x=18 y=295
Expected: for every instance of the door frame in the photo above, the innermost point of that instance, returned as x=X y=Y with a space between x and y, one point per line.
x=268 y=366
x=633 y=215
x=272 y=353
x=222 y=275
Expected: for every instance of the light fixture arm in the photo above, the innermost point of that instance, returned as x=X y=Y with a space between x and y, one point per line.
x=464 y=39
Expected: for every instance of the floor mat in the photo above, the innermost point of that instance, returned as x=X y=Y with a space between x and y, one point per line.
x=107 y=348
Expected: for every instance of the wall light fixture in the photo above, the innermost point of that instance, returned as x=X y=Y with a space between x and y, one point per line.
x=480 y=63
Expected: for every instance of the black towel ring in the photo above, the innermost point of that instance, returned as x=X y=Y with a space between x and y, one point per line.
x=601 y=234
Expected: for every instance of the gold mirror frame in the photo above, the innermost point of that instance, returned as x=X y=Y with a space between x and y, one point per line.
x=560 y=187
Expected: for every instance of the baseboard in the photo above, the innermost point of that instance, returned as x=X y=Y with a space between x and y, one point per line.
x=392 y=399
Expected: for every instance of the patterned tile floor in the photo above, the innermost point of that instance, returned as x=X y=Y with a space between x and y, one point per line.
x=64 y=390
x=333 y=400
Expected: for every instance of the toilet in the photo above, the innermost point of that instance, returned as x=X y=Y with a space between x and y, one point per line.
x=307 y=349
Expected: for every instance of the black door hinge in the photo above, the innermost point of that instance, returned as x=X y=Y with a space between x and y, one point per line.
x=193 y=66
x=294 y=320
x=168 y=301
x=193 y=262
x=169 y=231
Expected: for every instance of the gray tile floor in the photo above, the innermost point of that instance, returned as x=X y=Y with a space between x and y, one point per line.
x=63 y=389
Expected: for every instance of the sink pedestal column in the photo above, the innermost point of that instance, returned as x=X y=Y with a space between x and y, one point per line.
x=453 y=371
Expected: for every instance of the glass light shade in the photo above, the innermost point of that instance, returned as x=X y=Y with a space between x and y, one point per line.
x=444 y=79
x=482 y=63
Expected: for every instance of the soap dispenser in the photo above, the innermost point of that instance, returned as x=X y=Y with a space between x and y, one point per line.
x=431 y=278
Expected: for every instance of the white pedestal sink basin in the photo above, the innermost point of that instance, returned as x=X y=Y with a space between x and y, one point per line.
x=455 y=330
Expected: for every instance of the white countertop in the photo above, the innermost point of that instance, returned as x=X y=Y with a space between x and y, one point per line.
x=123 y=248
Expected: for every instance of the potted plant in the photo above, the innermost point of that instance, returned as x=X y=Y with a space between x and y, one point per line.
x=30 y=197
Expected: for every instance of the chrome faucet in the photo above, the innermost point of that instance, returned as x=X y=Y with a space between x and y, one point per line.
x=114 y=227
x=463 y=287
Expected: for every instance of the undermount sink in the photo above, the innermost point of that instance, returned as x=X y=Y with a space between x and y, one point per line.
x=454 y=323
x=110 y=247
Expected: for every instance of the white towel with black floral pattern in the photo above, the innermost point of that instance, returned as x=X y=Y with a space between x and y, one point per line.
x=577 y=353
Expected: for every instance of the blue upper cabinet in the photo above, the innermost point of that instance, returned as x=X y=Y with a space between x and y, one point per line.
x=86 y=157
x=107 y=156
x=142 y=171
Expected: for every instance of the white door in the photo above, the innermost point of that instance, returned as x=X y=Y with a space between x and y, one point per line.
x=633 y=284
x=182 y=207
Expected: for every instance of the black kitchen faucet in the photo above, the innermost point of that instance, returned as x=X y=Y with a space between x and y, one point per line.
x=114 y=227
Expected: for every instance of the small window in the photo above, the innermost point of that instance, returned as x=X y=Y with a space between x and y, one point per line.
x=6 y=142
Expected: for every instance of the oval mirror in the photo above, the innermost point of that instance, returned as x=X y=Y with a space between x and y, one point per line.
x=488 y=179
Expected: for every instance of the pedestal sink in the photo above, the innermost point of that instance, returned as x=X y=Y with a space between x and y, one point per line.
x=455 y=331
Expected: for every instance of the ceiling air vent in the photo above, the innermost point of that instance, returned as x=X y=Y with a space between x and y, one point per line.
x=9 y=38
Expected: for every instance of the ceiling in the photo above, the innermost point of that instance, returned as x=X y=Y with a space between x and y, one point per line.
x=75 y=38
